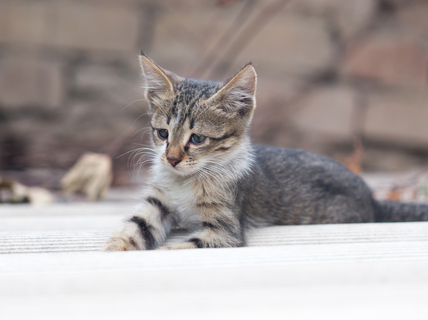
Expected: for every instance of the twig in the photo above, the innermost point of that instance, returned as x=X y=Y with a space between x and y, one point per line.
x=212 y=56
x=247 y=35
x=118 y=143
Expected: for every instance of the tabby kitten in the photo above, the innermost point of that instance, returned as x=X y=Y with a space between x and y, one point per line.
x=208 y=177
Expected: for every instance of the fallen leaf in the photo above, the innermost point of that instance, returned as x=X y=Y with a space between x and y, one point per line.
x=394 y=194
x=353 y=162
x=92 y=174
x=18 y=193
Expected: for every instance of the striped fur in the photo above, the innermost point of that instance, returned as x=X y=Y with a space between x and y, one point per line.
x=220 y=187
x=198 y=193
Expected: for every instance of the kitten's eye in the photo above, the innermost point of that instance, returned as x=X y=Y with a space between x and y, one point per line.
x=163 y=134
x=197 y=138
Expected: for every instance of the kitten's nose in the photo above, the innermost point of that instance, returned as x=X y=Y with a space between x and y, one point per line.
x=174 y=155
x=173 y=161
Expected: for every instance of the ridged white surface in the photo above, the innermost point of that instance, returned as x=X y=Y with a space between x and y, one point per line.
x=353 y=271
x=73 y=241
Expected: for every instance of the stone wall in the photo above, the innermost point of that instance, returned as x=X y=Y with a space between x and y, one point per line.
x=328 y=70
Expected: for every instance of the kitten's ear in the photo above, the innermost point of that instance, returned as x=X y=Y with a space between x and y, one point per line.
x=238 y=95
x=158 y=84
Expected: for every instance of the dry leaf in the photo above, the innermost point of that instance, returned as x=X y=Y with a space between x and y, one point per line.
x=394 y=194
x=353 y=162
x=92 y=174
x=18 y=193
x=414 y=194
x=39 y=196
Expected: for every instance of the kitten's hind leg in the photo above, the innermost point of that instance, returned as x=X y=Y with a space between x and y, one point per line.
x=220 y=230
x=146 y=229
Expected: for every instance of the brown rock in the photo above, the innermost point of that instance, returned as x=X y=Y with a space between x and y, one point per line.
x=350 y=16
x=290 y=44
x=388 y=59
x=415 y=17
x=121 y=88
x=270 y=124
x=23 y=23
x=75 y=25
x=28 y=81
x=186 y=31
x=95 y=27
x=328 y=111
x=399 y=118
x=287 y=44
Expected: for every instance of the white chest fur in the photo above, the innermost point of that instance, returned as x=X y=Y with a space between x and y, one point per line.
x=183 y=199
x=181 y=195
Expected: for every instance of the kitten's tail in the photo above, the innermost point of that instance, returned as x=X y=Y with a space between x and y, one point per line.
x=390 y=211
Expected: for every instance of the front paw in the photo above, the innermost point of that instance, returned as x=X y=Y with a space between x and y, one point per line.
x=121 y=242
x=179 y=246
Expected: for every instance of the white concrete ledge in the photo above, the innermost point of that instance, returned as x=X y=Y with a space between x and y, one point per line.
x=75 y=241
x=348 y=271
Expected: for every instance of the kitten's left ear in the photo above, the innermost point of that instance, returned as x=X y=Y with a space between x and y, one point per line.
x=238 y=95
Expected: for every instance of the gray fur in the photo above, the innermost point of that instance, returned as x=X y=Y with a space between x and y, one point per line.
x=224 y=186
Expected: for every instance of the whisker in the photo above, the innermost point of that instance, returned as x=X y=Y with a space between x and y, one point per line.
x=131 y=103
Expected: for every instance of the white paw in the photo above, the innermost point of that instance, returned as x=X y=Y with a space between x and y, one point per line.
x=179 y=246
x=120 y=242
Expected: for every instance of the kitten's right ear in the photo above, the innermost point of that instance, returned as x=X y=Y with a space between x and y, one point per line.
x=158 y=83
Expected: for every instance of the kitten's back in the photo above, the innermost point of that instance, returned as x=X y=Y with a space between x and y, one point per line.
x=289 y=186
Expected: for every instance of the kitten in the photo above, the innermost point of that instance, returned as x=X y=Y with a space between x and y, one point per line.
x=206 y=175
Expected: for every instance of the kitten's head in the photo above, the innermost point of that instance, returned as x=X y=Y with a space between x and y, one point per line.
x=198 y=123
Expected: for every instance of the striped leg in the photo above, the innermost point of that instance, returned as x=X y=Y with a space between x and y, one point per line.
x=221 y=229
x=146 y=230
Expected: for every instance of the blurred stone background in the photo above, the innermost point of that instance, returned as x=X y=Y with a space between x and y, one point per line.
x=328 y=70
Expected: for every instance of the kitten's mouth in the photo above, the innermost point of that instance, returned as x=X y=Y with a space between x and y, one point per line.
x=180 y=170
x=176 y=169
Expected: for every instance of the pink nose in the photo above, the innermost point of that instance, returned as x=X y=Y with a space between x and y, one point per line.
x=173 y=161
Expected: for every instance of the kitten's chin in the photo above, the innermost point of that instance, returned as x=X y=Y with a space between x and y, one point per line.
x=180 y=171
